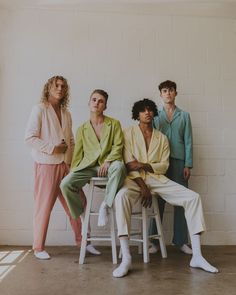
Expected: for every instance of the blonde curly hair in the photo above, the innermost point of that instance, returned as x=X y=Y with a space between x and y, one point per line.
x=46 y=89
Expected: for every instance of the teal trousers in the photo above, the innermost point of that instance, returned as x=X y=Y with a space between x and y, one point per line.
x=75 y=180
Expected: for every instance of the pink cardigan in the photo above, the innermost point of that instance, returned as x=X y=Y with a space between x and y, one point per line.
x=44 y=132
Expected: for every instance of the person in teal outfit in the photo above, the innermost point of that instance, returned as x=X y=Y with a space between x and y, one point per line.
x=176 y=125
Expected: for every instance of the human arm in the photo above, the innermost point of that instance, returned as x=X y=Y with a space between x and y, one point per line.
x=33 y=133
x=188 y=142
x=162 y=153
x=72 y=140
x=137 y=166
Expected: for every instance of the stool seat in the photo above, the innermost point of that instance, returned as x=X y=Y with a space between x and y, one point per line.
x=101 y=183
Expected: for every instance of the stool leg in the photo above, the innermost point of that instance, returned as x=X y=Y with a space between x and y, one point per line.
x=113 y=236
x=145 y=236
x=159 y=228
x=86 y=224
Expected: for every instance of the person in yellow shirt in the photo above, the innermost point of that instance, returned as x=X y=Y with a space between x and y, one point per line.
x=98 y=152
x=146 y=155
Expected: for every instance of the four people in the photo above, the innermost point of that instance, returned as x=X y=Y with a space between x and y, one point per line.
x=176 y=125
x=99 y=151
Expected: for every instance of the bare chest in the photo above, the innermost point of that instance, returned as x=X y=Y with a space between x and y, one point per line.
x=98 y=130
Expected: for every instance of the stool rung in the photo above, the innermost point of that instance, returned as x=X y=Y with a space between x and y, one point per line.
x=136 y=213
x=98 y=239
x=137 y=217
x=135 y=233
x=137 y=240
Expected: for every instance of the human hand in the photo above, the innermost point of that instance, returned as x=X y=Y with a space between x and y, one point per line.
x=186 y=173
x=146 y=196
x=60 y=148
x=134 y=166
x=103 y=169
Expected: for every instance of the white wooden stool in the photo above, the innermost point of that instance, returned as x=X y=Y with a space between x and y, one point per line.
x=100 y=182
x=142 y=236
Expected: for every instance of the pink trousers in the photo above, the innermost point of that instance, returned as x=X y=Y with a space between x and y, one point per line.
x=46 y=190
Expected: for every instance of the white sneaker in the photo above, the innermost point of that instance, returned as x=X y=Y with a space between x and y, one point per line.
x=43 y=255
x=186 y=249
x=92 y=250
x=153 y=249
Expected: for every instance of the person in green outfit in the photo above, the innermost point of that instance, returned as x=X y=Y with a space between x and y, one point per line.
x=97 y=153
x=176 y=125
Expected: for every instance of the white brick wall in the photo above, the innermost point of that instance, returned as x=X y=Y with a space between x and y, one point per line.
x=128 y=54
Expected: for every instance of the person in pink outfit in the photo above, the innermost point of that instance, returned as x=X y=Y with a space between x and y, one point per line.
x=49 y=134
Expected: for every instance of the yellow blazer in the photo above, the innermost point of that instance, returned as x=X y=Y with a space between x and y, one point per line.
x=157 y=155
x=89 y=151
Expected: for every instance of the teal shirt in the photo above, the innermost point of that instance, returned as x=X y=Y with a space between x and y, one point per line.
x=179 y=134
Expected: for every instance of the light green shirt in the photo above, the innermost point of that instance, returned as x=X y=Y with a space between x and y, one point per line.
x=89 y=151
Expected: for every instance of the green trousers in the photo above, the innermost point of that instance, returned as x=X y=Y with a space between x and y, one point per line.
x=75 y=180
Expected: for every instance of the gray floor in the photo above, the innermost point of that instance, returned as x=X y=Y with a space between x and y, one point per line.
x=22 y=274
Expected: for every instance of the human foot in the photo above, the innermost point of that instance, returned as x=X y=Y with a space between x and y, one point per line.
x=186 y=249
x=123 y=269
x=103 y=214
x=200 y=262
x=43 y=255
x=92 y=250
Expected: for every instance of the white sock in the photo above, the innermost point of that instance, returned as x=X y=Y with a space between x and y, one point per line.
x=186 y=249
x=103 y=214
x=197 y=259
x=123 y=269
x=92 y=250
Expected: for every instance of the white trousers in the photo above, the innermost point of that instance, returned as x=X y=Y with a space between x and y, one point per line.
x=172 y=192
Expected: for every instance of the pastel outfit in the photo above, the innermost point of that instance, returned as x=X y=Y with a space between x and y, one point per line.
x=179 y=134
x=42 y=134
x=158 y=157
x=89 y=155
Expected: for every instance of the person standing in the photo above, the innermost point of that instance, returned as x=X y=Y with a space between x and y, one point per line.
x=176 y=125
x=49 y=134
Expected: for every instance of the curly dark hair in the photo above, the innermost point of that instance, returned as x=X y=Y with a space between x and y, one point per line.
x=141 y=105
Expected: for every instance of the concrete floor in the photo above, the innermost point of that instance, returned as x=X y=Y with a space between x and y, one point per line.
x=22 y=274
